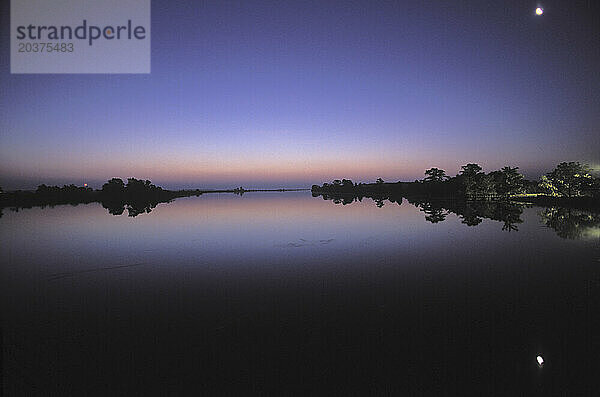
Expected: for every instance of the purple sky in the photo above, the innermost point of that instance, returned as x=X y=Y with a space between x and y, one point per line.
x=269 y=94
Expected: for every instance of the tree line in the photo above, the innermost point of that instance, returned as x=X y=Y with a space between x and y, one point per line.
x=568 y=180
x=137 y=196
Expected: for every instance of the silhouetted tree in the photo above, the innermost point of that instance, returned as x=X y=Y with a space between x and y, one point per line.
x=114 y=187
x=347 y=184
x=470 y=170
x=508 y=181
x=547 y=187
x=568 y=179
x=435 y=175
x=476 y=184
x=379 y=181
x=593 y=189
x=467 y=177
x=484 y=186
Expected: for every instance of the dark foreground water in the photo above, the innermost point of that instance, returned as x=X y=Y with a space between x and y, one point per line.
x=283 y=293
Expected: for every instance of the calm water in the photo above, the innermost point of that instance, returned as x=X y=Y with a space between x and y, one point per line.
x=283 y=293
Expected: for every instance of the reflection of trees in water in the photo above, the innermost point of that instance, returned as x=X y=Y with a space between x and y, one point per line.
x=134 y=208
x=118 y=207
x=570 y=223
x=114 y=207
x=511 y=216
x=434 y=214
x=348 y=198
x=472 y=213
x=566 y=222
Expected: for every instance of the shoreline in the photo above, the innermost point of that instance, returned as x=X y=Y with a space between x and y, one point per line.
x=21 y=199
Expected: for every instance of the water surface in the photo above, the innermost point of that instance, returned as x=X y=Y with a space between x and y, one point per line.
x=283 y=293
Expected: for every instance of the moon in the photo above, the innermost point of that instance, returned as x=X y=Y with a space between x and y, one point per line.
x=539 y=11
x=540 y=360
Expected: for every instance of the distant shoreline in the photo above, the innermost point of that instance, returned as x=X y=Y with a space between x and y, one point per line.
x=255 y=190
x=137 y=196
x=569 y=185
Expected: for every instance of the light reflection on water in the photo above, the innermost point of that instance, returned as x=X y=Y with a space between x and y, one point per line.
x=283 y=290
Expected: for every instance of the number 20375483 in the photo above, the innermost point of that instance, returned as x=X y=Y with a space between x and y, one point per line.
x=46 y=47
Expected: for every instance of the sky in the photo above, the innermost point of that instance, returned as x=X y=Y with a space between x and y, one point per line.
x=287 y=94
